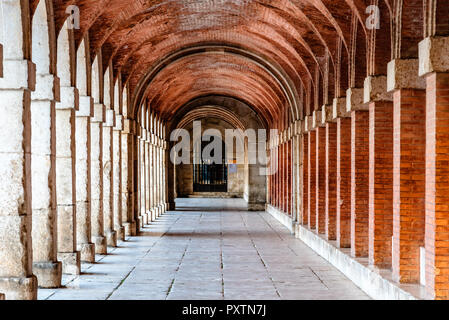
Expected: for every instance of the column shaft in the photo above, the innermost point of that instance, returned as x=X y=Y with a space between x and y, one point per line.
x=108 y=203
x=305 y=179
x=312 y=180
x=321 y=179
x=331 y=181
x=46 y=266
x=66 y=190
x=381 y=183
x=408 y=183
x=344 y=182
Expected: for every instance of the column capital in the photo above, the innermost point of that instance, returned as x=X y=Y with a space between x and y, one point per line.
x=326 y=114
x=69 y=99
x=317 y=119
x=99 y=113
x=47 y=88
x=85 y=107
x=339 y=109
x=375 y=89
x=118 y=122
x=18 y=74
x=433 y=55
x=308 y=123
x=354 y=100
x=403 y=74
x=109 y=118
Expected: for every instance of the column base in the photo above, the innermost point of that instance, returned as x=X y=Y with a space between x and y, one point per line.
x=71 y=262
x=150 y=216
x=87 y=251
x=256 y=206
x=121 y=233
x=138 y=225
x=48 y=274
x=111 y=239
x=101 y=246
x=145 y=220
x=19 y=288
x=167 y=207
x=130 y=229
x=161 y=209
x=153 y=214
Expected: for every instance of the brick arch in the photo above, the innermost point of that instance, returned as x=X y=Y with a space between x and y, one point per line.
x=277 y=76
x=211 y=112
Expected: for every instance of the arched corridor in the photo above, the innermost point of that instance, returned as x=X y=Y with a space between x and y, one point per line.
x=311 y=133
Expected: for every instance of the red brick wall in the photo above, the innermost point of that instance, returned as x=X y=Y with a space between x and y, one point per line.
x=331 y=181
x=437 y=186
x=305 y=178
x=321 y=179
x=408 y=183
x=289 y=177
x=344 y=182
x=380 y=183
x=359 y=183
x=312 y=180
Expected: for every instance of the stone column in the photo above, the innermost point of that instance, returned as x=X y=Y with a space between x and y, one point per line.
x=147 y=177
x=108 y=187
x=66 y=181
x=96 y=178
x=152 y=179
x=343 y=172
x=142 y=164
x=331 y=173
x=164 y=176
x=127 y=179
x=409 y=157
x=117 y=176
x=359 y=172
x=17 y=281
x=434 y=65
x=83 y=193
x=381 y=170
x=46 y=266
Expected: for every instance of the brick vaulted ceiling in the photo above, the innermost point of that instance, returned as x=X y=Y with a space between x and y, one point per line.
x=261 y=52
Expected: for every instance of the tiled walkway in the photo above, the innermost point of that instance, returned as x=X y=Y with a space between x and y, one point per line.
x=209 y=249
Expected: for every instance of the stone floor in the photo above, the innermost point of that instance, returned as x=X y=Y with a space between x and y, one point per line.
x=209 y=249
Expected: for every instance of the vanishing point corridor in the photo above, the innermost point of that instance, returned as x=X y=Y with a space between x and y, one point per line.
x=209 y=249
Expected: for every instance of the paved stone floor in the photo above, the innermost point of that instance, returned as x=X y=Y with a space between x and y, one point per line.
x=209 y=249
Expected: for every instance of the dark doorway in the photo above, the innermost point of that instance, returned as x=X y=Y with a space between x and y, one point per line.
x=209 y=176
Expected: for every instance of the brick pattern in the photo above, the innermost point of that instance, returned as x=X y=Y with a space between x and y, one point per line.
x=437 y=186
x=408 y=183
x=331 y=181
x=344 y=182
x=305 y=178
x=289 y=178
x=312 y=180
x=321 y=179
x=359 y=182
x=380 y=183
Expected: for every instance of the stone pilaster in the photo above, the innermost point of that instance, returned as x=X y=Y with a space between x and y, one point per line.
x=46 y=266
x=127 y=179
x=107 y=163
x=96 y=178
x=66 y=180
x=117 y=176
x=17 y=281
x=83 y=183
